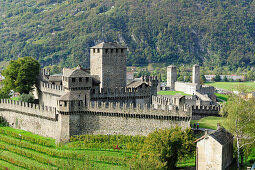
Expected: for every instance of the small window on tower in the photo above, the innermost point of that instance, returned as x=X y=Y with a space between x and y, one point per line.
x=65 y=103
x=73 y=79
x=106 y=51
x=94 y=50
x=117 y=50
x=111 y=50
x=98 y=50
x=121 y=50
x=80 y=79
x=87 y=79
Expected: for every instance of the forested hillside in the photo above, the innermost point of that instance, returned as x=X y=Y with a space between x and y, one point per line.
x=56 y=32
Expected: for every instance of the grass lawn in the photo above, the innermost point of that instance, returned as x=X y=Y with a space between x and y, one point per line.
x=172 y=93
x=222 y=96
x=209 y=122
x=230 y=85
x=15 y=98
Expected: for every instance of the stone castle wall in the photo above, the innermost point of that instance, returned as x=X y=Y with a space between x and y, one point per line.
x=40 y=120
x=48 y=93
x=123 y=95
x=96 y=118
x=117 y=119
x=199 y=112
x=207 y=89
x=161 y=100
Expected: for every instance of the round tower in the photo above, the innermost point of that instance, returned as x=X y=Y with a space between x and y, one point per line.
x=196 y=74
x=171 y=76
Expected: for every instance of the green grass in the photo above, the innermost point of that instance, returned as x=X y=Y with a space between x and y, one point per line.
x=15 y=151
x=187 y=162
x=5 y=165
x=15 y=98
x=172 y=93
x=209 y=122
x=231 y=86
x=223 y=97
x=35 y=155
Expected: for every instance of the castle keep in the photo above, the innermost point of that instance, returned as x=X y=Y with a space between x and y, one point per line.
x=98 y=101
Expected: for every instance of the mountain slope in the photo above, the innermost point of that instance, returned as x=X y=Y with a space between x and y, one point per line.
x=215 y=33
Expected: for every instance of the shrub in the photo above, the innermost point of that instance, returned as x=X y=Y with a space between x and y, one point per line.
x=162 y=148
x=3 y=122
x=29 y=98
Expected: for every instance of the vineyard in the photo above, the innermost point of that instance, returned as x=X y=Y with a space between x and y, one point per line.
x=20 y=149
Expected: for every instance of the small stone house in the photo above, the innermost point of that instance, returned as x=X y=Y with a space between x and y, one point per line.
x=214 y=150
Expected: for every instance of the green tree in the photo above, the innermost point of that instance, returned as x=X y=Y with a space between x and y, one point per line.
x=240 y=119
x=162 y=148
x=21 y=75
x=217 y=78
x=29 y=98
x=225 y=79
x=202 y=79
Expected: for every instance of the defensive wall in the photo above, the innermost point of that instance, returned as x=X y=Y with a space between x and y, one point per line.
x=199 y=112
x=207 y=89
x=48 y=93
x=96 y=118
x=161 y=100
x=41 y=120
x=123 y=95
x=102 y=118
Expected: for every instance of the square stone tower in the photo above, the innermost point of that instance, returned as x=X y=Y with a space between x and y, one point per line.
x=196 y=74
x=171 y=76
x=108 y=60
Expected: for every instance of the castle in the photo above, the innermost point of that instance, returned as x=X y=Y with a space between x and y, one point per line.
x=204 y=94
x=98 y=101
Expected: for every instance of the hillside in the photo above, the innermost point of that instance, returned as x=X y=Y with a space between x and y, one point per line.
x=59 y=32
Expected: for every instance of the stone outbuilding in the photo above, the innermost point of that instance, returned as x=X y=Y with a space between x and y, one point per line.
x=214 y=150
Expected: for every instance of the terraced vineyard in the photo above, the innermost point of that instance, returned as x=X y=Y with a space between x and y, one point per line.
x=20 y=149
x=23 y=150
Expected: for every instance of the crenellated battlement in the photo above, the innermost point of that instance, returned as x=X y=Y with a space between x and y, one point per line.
x=119 y=92
x=162 y=100
x=29 y=109
x=162 y=110
x=199 y=112
x=207 y=108
x=51 y=88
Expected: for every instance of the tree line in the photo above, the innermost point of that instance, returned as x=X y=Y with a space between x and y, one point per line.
x=60 y=32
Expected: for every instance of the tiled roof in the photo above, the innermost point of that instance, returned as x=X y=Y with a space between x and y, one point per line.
x=108 y=45
x=70 y=96
x=77 y=72
x=221 y=135
x=54 y=78
x=135 y=84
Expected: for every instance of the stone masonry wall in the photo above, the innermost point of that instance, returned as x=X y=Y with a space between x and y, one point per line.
x=48 y=94
x=199 y=112
x=100 y=124
x=33 y=118
x=100 y=118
